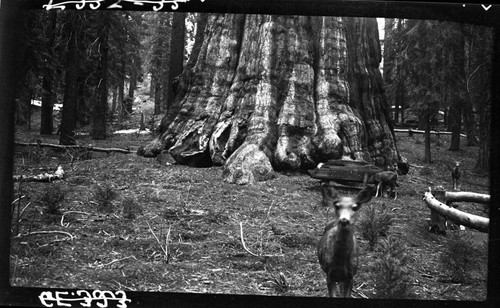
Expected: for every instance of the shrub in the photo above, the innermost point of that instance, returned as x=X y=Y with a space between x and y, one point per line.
x=103 y=195
x=280 y=283
x=131 y=208
x=51 y=200
x=391 y=276
x=375 y=223
x=426 y=171
x=460 y=257
x=439 y=142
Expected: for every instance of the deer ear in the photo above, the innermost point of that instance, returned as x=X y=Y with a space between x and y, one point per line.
x=330 y=195
x=365 y=195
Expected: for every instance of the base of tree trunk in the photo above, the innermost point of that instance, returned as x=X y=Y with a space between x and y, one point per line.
x=260 y=98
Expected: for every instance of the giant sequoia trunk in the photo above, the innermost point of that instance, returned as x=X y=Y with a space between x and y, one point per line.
x=280 y=92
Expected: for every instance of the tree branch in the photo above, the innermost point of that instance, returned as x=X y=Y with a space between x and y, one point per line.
x=88 y=148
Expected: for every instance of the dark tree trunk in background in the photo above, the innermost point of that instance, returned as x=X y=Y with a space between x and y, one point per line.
x=457 y=96
x=464 y=59
x=47 y=125
x=483 y=158
x=82 y=110
x=427 y=136
x=399 y=91
x=121 y=92
x=25 y=53
x=399 y=101
x=68 y=122
x=470 y=123
x=114 y=100
x=485 y=110
x=280 y=92
x=163 y=52
x=133 y=80
x=176 y=63
x=121 y=97
x=455 y=123
x=156 y=93
x=101 y=102
x=393 y=79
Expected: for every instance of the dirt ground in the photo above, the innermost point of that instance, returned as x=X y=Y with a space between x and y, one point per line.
x=137 y=224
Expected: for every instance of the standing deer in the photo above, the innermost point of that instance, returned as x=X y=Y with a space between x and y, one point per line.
x=384 y=180
x=337 y=249
x=455 y=174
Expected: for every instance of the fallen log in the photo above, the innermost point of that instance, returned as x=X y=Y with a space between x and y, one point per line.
x=345 y=171
x=438 y=222
x=88 y=147
x=43 y=177
x=464 y=196
x=416 y=131
x=472 y=221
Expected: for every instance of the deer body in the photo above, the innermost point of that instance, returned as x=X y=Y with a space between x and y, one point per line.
x=337 y=248
x=384 y=180
x=338 y=256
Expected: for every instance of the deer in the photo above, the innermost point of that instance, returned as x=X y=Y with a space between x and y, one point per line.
x=337 y=249
x=455 y=174
x=384 y=180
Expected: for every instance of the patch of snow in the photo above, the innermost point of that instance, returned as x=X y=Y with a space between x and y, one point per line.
x=132 y=131
x=35 y=102
x=38 y=103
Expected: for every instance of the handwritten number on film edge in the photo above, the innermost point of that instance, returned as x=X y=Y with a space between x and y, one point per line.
x=95 y=4
x=85 y=298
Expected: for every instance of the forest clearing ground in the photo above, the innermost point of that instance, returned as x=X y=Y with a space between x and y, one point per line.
x=203 y=217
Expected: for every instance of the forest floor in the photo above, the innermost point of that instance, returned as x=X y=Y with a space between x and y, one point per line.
x=125 y=222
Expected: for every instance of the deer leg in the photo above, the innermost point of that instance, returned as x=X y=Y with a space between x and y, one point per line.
x=378 y=188
x=331 y=287
x=346 y=288
x=393 y=190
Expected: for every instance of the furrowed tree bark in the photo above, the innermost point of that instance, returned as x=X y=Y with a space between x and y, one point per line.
x=279 y=93
x=155 y=146
x=368 y=94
